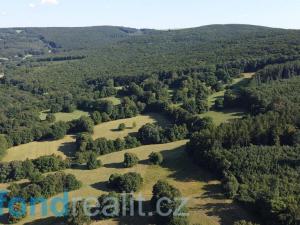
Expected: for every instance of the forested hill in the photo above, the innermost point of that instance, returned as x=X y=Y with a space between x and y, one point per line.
x=214 y=43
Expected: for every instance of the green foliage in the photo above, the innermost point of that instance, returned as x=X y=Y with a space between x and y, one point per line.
x=3 y=145
x=219 y=104
x=50 y=185
x=45 y=164
x=32 y=169
x=102 y=146
x=77 y=215
x=122 y=127
x=59 y=130
x=83 y=124
x=129 y=182
x=154 y=134
x=156 y=158
x=50 y=118
x=130 y=160
x=162 y=189
x=96 y=117
x=93 y=162
x=112 y=204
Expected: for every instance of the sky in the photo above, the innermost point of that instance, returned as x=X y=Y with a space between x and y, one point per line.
x=157 y=14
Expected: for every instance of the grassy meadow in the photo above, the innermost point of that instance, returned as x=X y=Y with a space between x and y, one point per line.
x=65 y=146
x=225 y=115
x=65 y=117
x=206 y=203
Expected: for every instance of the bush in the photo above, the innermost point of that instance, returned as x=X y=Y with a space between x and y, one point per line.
x=92 y=162
x=130 y=160
x=58 y=130
x=45 y=164
x=122 y=127
x=156 y=158
x=83 y=124
x=68 y=108
x=3 y=145
x=164 y=190
x=96 y=117
x=111 y=199
x=50 y=118
x=219 y=104
x=150 y=134
x=77 y=217
x=129 y=182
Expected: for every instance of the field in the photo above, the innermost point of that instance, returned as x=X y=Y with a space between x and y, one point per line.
x=223 y=116
x=110 y=130
x=65 y=146
x=114 y=100
x=206 y=204
x=65 y=117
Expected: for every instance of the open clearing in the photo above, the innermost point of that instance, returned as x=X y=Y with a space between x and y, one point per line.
x=65 y=117
x=65 y=146
x=207 y=205
x=114 y=100
x=223 y=116
x=110 y=130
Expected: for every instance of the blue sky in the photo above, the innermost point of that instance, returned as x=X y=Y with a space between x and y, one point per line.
x=160 y=14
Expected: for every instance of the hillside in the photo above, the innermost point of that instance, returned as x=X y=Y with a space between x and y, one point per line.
x=218 y=106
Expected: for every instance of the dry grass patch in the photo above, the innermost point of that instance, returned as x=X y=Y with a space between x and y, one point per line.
x=35 y=150
x=110 y=130
x=66 y=146
x=207 y=205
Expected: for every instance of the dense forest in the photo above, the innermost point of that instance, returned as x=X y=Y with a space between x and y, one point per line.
x=168 y=72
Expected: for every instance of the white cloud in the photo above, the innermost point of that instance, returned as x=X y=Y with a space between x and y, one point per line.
x=32 y=5
x=50 y=2
x=3 y=13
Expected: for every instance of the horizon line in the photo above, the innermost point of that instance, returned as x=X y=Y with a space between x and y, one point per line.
x=147 y=28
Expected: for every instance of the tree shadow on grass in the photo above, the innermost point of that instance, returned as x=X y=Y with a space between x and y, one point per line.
x=183 y=168
x=214 y=191
x=145 y=162
x=68 y=148
x=227 y=212
x=139 y=219
x=47 y=221
x=102 y=186
x=161 y=119
x=119 y=165
x=77 y=166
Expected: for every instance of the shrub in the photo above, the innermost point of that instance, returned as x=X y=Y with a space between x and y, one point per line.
x=130 y=160
x=69 y=108
x=156 y=158
x=83 y=124
x=164 y=190
x=77 y=216
x=50 y=118
x=120 y=202
x=58 y=130
x=3 y=145
x=96 y=117
x=92 y=162
x=129 y=182
x=122 y=127
x=150 y=134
